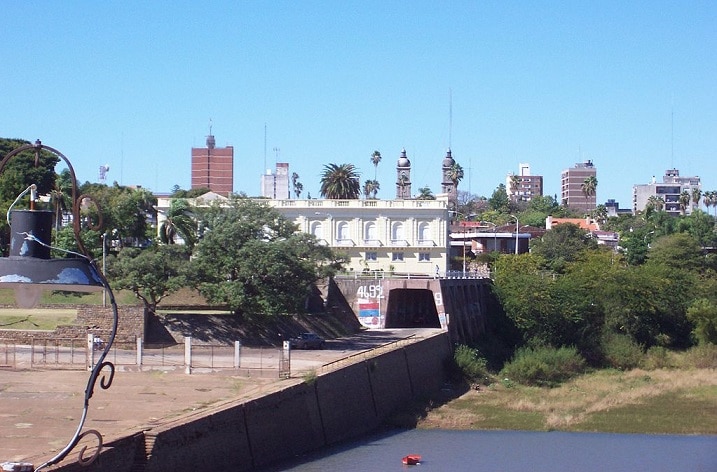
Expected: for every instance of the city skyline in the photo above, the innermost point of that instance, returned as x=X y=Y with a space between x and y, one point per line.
x=135 y=86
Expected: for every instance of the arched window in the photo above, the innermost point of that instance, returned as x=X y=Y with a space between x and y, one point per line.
x=317 y=230
x=424 y=231
x=397 y=232
x=370 y=233
x=342 y=231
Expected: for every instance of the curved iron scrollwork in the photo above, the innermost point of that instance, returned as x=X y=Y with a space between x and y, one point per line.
x=99 y=371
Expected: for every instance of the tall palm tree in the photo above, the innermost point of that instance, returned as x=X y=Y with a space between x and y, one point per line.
x=710 y=199
x=61 y=195
x=298 y=186
x=514 y=186
x=375 y=159
x=684 y=200
x=179 y=222
x=696 y=196
x=589 y=186
x=425 y=193
x=456 y=175
x=340 y=182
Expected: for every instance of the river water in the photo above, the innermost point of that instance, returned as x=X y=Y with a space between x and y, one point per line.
x=513 y=451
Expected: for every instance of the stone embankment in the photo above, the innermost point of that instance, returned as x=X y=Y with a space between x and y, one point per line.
x=298 y=417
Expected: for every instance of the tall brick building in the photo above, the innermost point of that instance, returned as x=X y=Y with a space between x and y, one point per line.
x=213 y=167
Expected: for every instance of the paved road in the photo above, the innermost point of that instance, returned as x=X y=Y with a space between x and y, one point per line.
x=40 y=409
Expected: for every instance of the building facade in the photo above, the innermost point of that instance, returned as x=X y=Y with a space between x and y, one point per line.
x=378 y=236
x=275 y=185
x=665 y=195
x=213 y=167
x=572 y=184
x=523 y=186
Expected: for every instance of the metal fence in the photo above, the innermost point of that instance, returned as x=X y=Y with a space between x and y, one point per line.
x=77 y=354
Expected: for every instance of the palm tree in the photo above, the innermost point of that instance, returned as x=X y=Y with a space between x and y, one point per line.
x=684 y=200
x=514 y=186
x=696 y=196
x=61 y=195
x=340 y=182
x=425 y=193
x=655 y=202
x=180 y=223
x=589 y=186
x=298 y=186
x=375 y=159
x=710 y=199
x=456 y=175
x=370 y=188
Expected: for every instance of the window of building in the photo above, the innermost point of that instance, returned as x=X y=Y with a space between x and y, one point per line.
x=342 y=231
x=424 y=231
x=397 y=257
x=424 y=257
x=317 y=230
x=371 y=256
x=397 y=232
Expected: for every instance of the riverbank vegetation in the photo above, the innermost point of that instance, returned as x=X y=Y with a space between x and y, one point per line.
x=677 y=398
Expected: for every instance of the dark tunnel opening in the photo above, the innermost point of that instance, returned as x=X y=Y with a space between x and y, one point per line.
x=411 y=308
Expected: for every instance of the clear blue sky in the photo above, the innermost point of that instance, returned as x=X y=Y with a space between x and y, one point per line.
x=133 y=84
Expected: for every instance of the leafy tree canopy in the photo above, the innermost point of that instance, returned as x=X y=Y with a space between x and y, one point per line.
x=253 y=260
x=563 y=244
x=152 y=273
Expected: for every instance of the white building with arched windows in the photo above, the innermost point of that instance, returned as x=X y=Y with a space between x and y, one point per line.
x=390 y=236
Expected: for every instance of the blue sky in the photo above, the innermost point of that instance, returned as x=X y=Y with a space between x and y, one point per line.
x=631 y=86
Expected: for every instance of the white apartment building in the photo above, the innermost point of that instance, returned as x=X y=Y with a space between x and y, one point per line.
x=668 y=191
x=392 y=236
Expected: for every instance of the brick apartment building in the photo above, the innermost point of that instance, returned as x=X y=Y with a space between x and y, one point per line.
x=213 y=168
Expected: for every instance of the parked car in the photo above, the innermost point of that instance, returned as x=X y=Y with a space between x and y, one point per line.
x=307 y=341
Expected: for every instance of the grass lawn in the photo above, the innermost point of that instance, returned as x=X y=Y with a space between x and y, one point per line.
x=35 y=318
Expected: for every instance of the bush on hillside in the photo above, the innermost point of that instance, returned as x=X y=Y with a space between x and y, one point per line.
x=544 y=366
x=472 y=365
x=620 y=351
x=703 y=356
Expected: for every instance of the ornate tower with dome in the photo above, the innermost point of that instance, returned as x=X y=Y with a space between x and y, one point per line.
x=403 y=177
x=447 y=185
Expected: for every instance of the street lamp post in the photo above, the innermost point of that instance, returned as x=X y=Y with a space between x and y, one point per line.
x=30 y=268
x=516 y=232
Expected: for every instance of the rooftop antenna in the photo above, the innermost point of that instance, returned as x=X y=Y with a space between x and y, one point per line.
x=276 y=150
x=672 y=135
x=450 y=116
x=264 y=146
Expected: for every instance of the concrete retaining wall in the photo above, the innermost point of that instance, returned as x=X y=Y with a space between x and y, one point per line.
x=303 y=417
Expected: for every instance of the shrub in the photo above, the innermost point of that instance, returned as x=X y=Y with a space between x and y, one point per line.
x=702 y=357
x=658 y=357
x=473 y=367
x=621 y=351
x=544 y=366
x=703 y=315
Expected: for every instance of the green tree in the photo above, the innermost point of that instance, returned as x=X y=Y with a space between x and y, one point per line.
x=696 y=196
x=703 y=315
x=562 y=244
x=253 y=260
x=499 y=201
x=676 y=251
x=150 y=274
x=340 y=182
x=179 y=222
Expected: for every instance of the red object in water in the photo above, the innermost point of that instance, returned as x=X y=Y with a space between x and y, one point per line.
x=411 y=459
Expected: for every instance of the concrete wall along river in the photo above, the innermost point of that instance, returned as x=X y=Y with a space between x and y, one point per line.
x=296 y=419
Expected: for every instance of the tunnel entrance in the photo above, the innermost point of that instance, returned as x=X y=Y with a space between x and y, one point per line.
x=411 y=308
